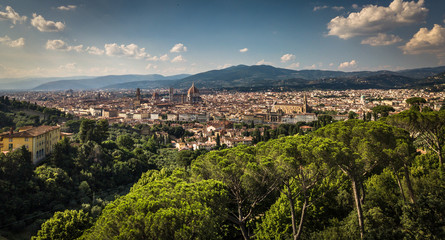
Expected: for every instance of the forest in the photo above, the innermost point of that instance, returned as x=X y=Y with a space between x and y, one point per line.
x=354 y=179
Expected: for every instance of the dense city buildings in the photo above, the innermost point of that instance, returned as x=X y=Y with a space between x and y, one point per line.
x=203 y=108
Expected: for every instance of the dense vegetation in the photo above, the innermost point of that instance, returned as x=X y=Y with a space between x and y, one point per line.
x=21 y=113
x=353 y=179
x=98 y=164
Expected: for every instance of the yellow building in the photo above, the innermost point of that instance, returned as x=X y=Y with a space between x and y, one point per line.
x=38 y=140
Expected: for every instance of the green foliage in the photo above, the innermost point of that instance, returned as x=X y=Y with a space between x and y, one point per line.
x=382 y=110
x=249 y=180
x=237 y=192
x=72 y=126
x=415 y=101
x=91 y=130
x=167 y=208
x=125 y=141
x=66 y=225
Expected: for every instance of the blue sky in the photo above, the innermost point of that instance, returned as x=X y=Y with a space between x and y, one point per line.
x=58 y=38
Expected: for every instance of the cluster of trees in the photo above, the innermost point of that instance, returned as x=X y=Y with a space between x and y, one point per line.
x=84 y=173
x=15 y=113
x=347 y=180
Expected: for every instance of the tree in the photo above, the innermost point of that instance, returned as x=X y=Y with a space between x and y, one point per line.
x=125 y=141
x=427 y=127
x=161 y=207
x=101 y=131
x=363 y=148
x=248 y=179
x=63 y=154
x=352 y=115
x=298 y=171
x=218 y=141
x=86 y=130
x=382 y=111
x=415 y=103
x=55 y=182
x=66 y=225
x=324 y=120
x=94 y=131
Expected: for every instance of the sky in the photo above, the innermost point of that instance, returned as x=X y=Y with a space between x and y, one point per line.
x=62 y=38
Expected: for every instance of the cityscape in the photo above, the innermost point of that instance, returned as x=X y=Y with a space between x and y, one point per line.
x=215 y=112
x=228 y=119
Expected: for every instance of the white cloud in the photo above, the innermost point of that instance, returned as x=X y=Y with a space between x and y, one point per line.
x=46 y=26
x=164 y=58
x=67 y=8
x=355 y=6
x=287 y=57
x=154 y=58
x=178 y=48
x=68 y=66
x=350 y=64
x=130 y=50
x=78 y=48
x=224 y=66
x=313 y=66
x=178 y=59
x=151 y=66
x=20 y=42
x=58 y=44
x=373 y=19
x=294 y=65
x=338 y=8
x=95 y=51
x=382 y=39
x=263 y=62
x=427 y=41
x=331 y=64
x=317 y=8
x=12 y=16
x=243 y=50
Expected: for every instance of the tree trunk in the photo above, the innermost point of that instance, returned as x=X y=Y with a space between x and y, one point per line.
x=242 y=224
x=412 y=199
x=358 y=207
x=363 y=193
x=303 y=211
x=292 y=210
x=400 y=185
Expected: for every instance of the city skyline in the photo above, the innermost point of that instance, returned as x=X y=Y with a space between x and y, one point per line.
x=92 y=38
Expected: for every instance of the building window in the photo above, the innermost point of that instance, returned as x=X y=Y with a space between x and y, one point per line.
x=10 y=139
x=11 y=146
x=26 y=139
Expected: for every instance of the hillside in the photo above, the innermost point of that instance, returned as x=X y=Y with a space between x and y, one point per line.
x=102 y=82
x=257 y=77
x=263 y=77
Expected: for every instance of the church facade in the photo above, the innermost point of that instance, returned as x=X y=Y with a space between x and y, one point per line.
x=292 y=108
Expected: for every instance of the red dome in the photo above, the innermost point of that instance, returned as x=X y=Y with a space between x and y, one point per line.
x=193 y=90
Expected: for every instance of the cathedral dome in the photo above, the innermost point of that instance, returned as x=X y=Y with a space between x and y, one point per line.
x=193 y=90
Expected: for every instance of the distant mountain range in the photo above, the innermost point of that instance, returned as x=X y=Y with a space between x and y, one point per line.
x=257 y=77
x=106 y=82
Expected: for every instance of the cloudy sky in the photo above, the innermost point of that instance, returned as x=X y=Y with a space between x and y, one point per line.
x=48 y=38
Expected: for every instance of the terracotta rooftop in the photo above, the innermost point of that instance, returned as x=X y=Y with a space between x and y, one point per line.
x=32 y=132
